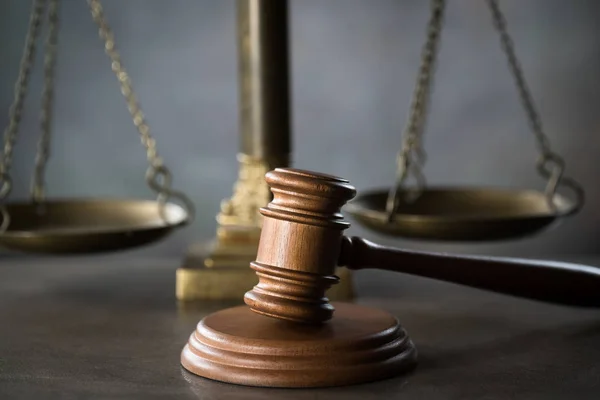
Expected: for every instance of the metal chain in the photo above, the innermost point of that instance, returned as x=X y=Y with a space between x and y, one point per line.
x=158 y=176
x=20 y=92
x=15 y=112
x=43 y=146
x=550 y=165
x=412 y=156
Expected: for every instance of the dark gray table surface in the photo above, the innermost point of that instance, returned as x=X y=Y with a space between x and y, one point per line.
x=109 y=327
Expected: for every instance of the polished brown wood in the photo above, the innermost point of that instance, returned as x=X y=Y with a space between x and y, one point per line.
x=302 y=242
x=549 y=281
x=299 y=245
x=296 y=260
x=239 y=346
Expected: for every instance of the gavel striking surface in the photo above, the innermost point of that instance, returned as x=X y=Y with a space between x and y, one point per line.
x=360 y=344
x=287 y=337
x=300 y=246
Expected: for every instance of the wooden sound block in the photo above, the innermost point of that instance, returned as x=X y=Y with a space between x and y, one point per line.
x=358 y=345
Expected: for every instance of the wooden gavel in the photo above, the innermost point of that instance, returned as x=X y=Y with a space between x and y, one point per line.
x=302 y=243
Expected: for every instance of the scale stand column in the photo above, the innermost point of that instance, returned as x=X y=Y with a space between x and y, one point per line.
x=220 y=269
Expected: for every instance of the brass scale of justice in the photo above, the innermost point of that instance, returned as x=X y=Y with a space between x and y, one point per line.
x=287 y=335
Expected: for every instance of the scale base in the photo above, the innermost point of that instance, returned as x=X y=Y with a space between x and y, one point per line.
x=231 y=283
x=358 y=345
x=220 y=270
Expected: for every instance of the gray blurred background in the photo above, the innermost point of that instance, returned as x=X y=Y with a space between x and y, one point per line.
x=354 y=64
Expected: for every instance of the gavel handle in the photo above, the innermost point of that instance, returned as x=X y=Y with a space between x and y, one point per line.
x=553 y=282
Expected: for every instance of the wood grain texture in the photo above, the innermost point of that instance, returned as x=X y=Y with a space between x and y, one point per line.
x=549 y=281
x=239 y=346
x=102 y=328
x=302 y=242
x=299 y=245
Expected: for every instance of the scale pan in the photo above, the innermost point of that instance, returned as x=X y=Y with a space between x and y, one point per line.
x=88 y=226
x=461 y=214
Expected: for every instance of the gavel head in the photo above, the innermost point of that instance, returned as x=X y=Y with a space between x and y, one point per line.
x=299 y=245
